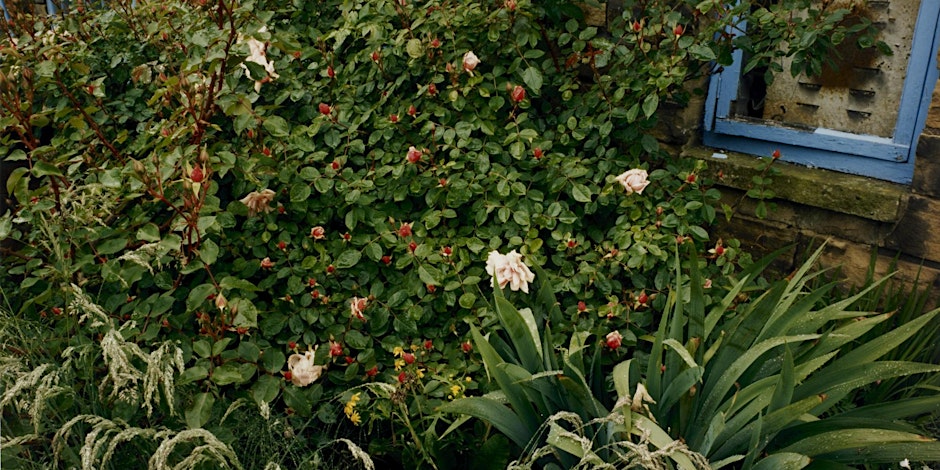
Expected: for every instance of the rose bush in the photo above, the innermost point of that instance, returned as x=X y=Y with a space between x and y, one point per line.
x=228 y=177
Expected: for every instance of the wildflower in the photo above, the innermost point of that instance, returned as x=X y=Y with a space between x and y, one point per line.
x=318 y=233
x=613 y=339
x=470 y=62
x=302 y=369
x=509 y=269
x=258 y=202
x=518 y=93
x=634 y=181
x=356 y=306
x=350 y=409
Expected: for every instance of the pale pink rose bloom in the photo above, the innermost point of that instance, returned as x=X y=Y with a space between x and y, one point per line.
x=257 y=54
x=614 y=339
x=509 y=269
x=470 y=62
x=634 y=181
x=258 y=202
x=303 y=371
x=318 y=233
x=356 y=307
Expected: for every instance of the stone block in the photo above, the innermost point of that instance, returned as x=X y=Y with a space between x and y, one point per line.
x=918 y=232
x=927 y=166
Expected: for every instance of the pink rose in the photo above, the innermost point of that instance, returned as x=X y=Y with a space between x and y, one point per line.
x=634 y=181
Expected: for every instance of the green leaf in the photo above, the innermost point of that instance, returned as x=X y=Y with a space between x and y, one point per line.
x=149 y=233
x=198 y=295
x=299 y=192
x=276 y=126
x=783 y=461
x=493 y=412
x=533 y=79
x=348 y=259
x=208 y=251
x=193 y=374
x=523 y=332
x=650 y=104
x=429 y=275
x=581 y=193
x=42 y=168
x=415 y=48
x=198 y=414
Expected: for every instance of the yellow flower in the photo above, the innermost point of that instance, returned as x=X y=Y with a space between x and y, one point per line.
x=455 y=390
x=398 y=351
x=399 y=363
x=355 y=418
x=420 y=373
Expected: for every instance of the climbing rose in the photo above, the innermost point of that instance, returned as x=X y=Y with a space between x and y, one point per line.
x=634 y=181
x=509 y=269
x=302 y=370
x=256 y=54
x=614 y=339
x=318 y=233
x=414 y=155
x=470 y=62
x=258 y=202
x=518 y=93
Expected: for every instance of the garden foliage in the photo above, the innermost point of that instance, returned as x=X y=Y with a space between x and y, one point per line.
x=290 y=206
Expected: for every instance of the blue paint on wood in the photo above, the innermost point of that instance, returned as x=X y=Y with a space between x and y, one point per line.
x=890 y=159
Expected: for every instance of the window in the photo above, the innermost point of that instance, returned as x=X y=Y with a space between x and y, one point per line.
x=862 y=118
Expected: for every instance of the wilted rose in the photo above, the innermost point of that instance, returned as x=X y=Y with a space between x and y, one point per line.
x=470 y=62
x=256 y=54
x=509 y=269
x=634 y=181
x=356 y=306
x=258 y=202
x=302 y=370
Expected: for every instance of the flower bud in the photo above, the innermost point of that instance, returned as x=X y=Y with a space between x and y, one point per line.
x=518 y=93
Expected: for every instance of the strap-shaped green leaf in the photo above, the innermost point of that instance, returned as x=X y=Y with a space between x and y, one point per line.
x=495 y=413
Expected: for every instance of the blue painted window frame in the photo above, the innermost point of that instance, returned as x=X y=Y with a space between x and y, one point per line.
x=890 y=159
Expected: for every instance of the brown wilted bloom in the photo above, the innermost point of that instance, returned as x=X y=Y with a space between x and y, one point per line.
x=356 y=306
x=258 y=202
x=303 y=371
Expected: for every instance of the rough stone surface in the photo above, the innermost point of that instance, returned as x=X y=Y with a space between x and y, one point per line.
x=917 y=232
x=842 y=193
x=927 y=166
x=933 y=113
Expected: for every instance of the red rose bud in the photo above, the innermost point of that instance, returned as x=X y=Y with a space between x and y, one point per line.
x=324 y=109
x=537 y=153
x=296 y=54
x=572 y=243
x=251 y=134
x=402 y=377
x=329 y=71
x=582 y=306
x=613 y=340
x=266 y=151
x=311 y=282
x=393 y=118
x=330 y=269
x=432 y=89
x=56 y=311
x=282 y=245
x=387 y=260
x=637 y=27
x=241 y=330
x=643 y=298
x=288 y=375
x=690 y=178
x=466 y=346
x=347 y=237
x=447 y=251
x=435 y=43
x=719 y=250
x=412 y=246
x=428 y=344
x=315 y=294
x=404 y=230
x=350 y=360
x=431 y=288
x=375 y=56
x=776 y=154
x=292 y=345
x=196 y=175
x=678 y=30
x=414 y=155
x=442 y=182
x=336 y=349
x=518 y=93
x=408 y=357
x=412 y=110
x=373 y=371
